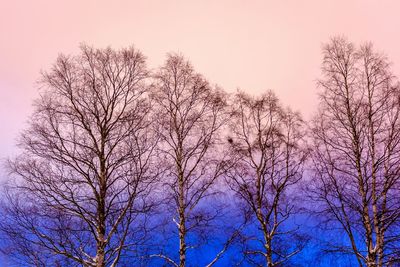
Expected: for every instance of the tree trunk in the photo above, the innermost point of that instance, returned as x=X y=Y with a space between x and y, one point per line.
x=269 y=253
x=182 y=224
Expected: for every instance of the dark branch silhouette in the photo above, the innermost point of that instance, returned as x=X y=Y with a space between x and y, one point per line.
x=84 y=175
x=356 y=142
x=266 y=147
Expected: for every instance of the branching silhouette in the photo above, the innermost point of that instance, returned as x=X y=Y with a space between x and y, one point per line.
x=83 y=178
x=190 y=116
x=266 y=148
x=356 y=142
x=122 y=166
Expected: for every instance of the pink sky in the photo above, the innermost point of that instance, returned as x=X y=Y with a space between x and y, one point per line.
x=252 y=45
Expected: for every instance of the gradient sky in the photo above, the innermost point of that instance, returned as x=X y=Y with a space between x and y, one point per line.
x=252 y=45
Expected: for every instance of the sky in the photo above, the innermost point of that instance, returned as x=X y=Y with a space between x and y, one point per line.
x=251 y=45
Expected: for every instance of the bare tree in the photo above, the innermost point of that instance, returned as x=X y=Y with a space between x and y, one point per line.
x=86 y=163
x=266 y=146
x=190 y=115
x=356 y=141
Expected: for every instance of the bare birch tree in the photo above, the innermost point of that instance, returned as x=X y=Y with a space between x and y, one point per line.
x=190 y=114
x=85 y=169
x=356 y=141
x=266 y=146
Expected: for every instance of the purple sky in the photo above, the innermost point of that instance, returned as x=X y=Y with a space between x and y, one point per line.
x=252 y=45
